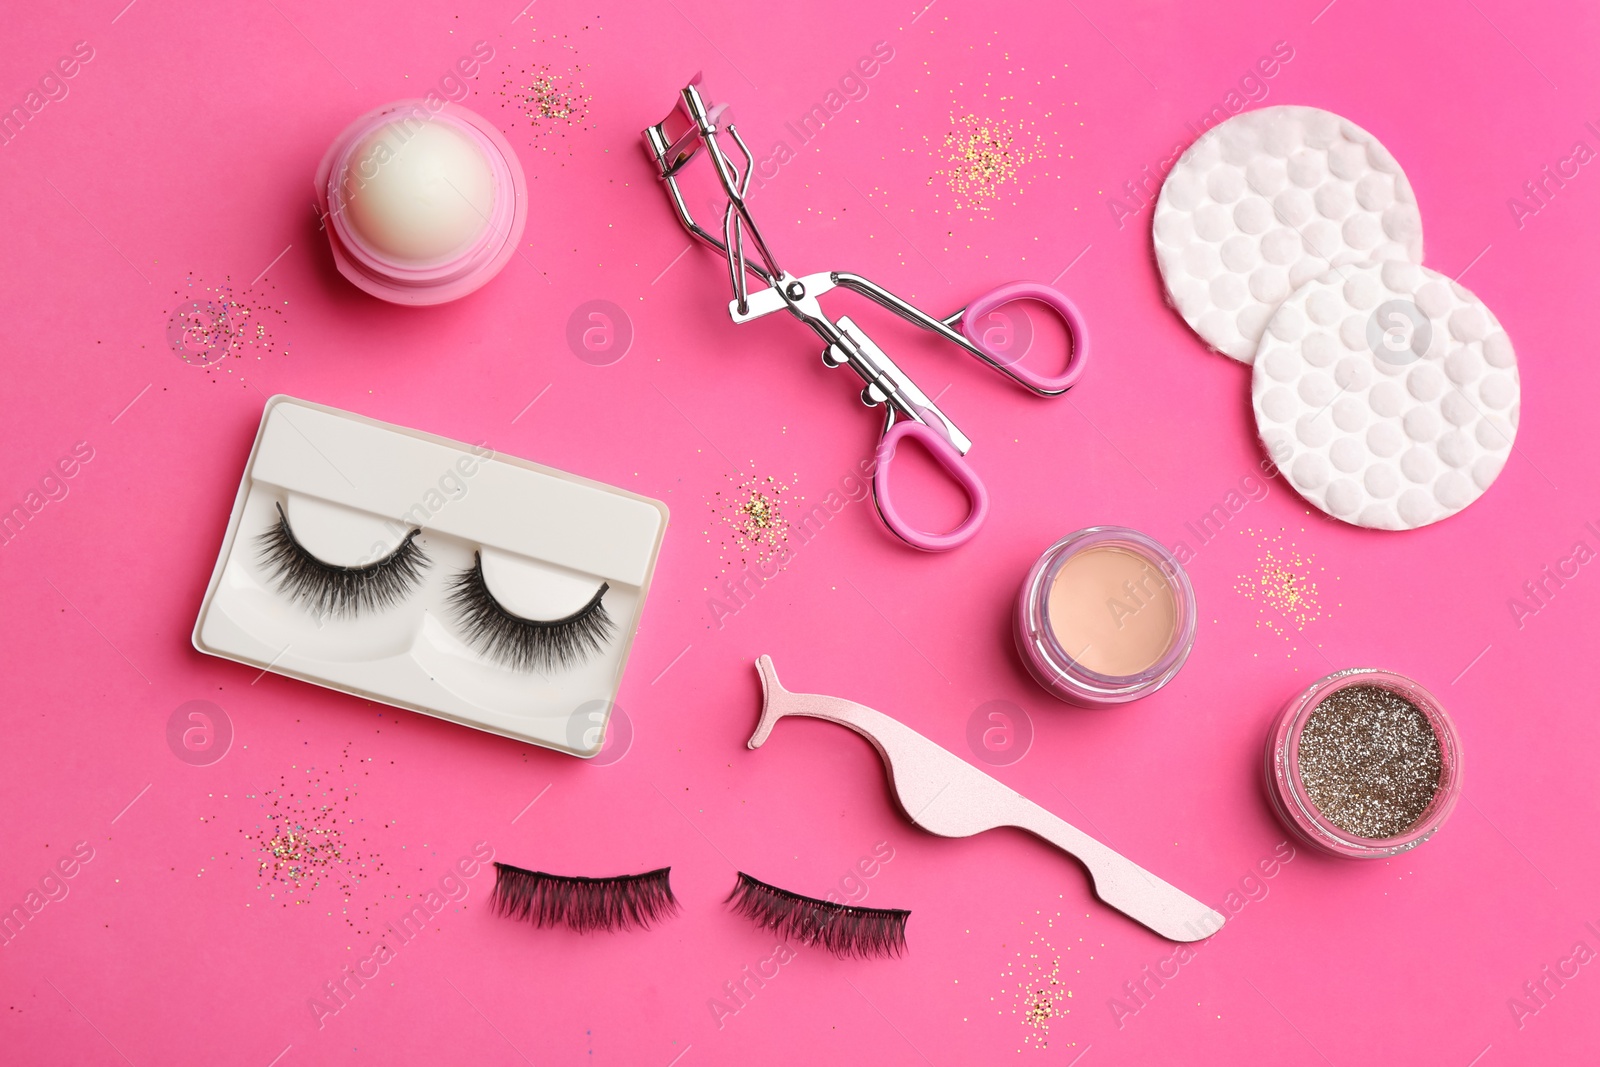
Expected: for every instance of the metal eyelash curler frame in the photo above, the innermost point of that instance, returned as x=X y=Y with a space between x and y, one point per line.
x=675 y=141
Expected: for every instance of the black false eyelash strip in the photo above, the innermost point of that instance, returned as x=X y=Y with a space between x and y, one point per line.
x=527 y=644
x=842 y=929
x=328 y=589
x=584 y=904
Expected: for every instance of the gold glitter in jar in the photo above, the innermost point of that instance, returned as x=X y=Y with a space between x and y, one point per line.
x=1369 y=761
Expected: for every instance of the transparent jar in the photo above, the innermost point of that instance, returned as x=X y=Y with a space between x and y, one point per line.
x=1287 y=792
x=1141 y=639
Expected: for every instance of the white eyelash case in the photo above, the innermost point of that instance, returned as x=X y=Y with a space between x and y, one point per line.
x=432 y=575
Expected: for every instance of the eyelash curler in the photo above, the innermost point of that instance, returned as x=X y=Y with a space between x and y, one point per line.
x=675 y=141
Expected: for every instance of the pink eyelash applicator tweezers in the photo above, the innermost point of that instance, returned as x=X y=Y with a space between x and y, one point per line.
x=948 y=796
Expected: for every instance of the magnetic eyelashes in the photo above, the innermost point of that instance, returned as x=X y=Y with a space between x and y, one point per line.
x=630 y=900
x=842 y=929
x=584 y=904
x=527 y=644
x=328 y=589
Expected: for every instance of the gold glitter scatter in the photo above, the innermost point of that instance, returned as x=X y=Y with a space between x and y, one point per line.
x=983 y=156
x=1041 y=996
x=752 y=518
x=547 y=99
x=1282 y=584
x=214 y=326
x=309 y=847
x=993 y=143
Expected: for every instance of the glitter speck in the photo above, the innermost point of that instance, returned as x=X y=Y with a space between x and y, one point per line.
x=1283 y=584
x=308 y=846
x=992 y=149
x=299 y=854
x=1041 y=996
x=213 y=325
x=1041 y=1007
x=548 y=99
x=983 y=155
x=754 y=516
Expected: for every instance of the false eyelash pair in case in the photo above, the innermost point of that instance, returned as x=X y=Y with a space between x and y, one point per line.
x=435 y=576
x=637 y=900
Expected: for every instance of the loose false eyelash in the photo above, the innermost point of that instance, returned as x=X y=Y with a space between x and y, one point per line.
x=843 y=929
x=527 y=644
x=583 y=904
x=329 y=589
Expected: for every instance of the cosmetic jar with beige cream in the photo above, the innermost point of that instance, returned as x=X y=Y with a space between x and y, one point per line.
x=1105 y=616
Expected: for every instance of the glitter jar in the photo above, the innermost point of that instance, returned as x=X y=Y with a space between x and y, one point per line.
x=423 y=201
x=1291 y=796
x=1105 y=616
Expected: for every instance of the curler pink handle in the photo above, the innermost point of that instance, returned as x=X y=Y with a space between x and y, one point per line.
x=1077 y=333
x=954 y=464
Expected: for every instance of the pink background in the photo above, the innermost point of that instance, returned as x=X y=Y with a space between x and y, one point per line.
x=186 y=146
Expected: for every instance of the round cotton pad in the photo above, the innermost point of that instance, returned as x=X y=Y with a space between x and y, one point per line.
x=1267 y=201
x=1387 y=394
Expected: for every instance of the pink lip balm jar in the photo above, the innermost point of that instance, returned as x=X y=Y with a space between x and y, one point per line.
x=1105 y=616
x=422 y=203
